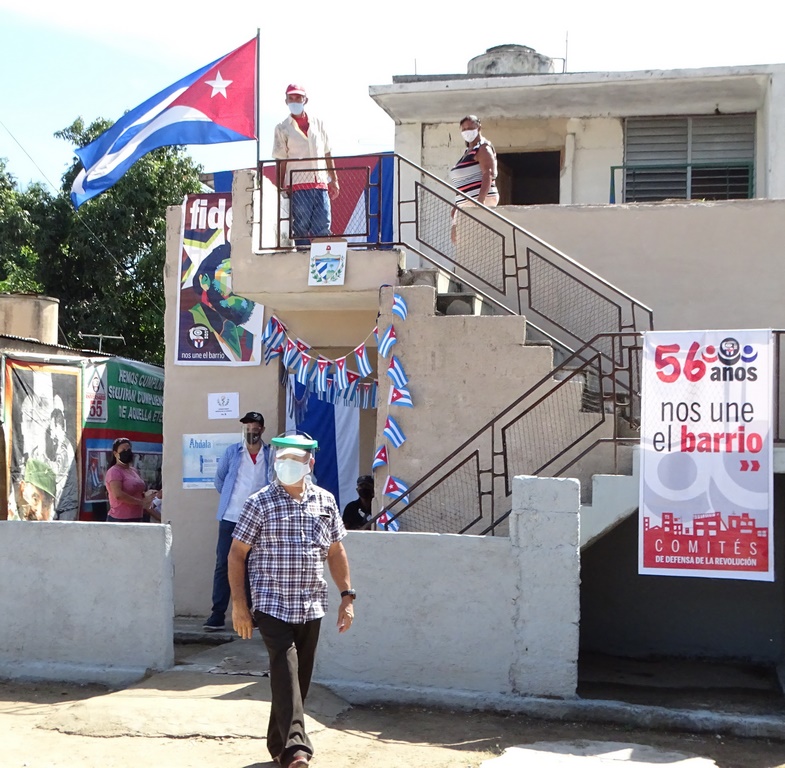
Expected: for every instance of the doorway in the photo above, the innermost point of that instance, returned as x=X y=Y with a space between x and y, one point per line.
x=529 y=178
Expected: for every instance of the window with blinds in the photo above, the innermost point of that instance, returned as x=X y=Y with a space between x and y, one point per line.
x=709 y=157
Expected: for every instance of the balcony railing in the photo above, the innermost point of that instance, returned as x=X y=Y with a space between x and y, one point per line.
x=641 y=183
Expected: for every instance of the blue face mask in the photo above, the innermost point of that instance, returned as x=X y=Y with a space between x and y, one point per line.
x=296 y=108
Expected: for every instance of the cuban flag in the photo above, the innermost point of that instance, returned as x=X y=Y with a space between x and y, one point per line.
x=385 y=520
x=290 y=354
x=365 y=394
x=399 y=307
x=341 y=379
x=374 y=392
x=396 y=372
x=397 y=489
x=400 y=397
x=350 y=390
x=380 y=457
x=274 y=333
x=271 y=352
x=323 y=367
x=363 y=364
x=302 y=346
x=393 y=432
x=302 y=372
x=337 y=428
x=215 y=104
x=386 y=342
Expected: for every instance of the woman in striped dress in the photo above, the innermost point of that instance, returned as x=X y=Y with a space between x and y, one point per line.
x=474 y=175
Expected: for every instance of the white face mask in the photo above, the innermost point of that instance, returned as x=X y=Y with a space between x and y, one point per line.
x=296 y=108
x=470 y=136
x=290 y=471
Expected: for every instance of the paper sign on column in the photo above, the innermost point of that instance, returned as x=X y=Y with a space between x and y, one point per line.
x=328 y=262
x=223 y=405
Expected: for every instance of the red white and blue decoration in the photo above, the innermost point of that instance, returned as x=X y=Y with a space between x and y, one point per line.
x=400 y=396
x=393 y=432
x=380 y=457
x=396 y=372
x=387 y=340
x=396 y=489
x=215 y=104
x=399 y=307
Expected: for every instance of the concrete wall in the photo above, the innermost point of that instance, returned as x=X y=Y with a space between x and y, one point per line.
x=625 y=614
x=501 y=619
x=462 y=369
x=697 y=265
x=89 y=602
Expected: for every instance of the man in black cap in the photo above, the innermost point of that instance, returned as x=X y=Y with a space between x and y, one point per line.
x=244 y=469
x=357 y=514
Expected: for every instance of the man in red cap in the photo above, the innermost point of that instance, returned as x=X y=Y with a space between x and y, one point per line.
x=312 y=182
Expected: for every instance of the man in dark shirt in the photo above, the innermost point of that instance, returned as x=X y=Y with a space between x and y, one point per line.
x=357 y=513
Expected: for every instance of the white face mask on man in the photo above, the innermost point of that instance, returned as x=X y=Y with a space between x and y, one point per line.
x=291 y=471
x=296 y=108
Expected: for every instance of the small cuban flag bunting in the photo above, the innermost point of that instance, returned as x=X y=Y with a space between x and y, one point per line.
x=393 y=432
x=341 y=380
x=397 y=489
x=399 y=307
x=302 y=371
x=400 y=396
x=350 y=390
x=374 y=392
x=380 y=457
x=385 y=520
x=271 y=352
x=396 y=372
x=363 y=364
x=323 y=368
x=387 y=340
x=302 y=346
x=290 y=354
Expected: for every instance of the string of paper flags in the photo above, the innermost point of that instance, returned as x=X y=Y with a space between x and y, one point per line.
x=334 y=381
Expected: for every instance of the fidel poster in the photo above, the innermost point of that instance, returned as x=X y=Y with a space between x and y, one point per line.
x=215 y=326
x=706 y=493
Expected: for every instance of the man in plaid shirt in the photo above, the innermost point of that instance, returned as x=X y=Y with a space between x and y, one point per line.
x=285 y=533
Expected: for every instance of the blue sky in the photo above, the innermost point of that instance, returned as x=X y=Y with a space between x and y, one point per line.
x=94 y=59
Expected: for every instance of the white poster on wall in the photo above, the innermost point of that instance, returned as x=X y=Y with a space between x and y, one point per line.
x=201 y=454
x=706 y=494
x=223 y=405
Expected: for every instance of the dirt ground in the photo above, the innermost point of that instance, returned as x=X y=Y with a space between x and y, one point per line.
x=383 y=737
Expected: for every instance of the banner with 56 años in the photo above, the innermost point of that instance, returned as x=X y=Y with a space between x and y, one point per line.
x=706 y=494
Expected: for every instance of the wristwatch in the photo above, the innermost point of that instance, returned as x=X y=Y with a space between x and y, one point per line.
x=349 y=593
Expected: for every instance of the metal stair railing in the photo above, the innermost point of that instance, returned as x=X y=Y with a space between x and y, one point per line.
x=387 y=200
x=590 y=402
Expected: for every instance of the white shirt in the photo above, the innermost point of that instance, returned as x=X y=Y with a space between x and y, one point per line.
x=290 y=142
x=250 y=478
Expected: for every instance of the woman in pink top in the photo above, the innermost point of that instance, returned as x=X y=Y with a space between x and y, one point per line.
x=128 y=499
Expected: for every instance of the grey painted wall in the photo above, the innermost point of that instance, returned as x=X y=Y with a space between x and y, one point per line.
x=625 y=614
x=89 y=602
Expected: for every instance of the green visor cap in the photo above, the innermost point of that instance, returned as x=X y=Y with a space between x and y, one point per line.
x=295 y=441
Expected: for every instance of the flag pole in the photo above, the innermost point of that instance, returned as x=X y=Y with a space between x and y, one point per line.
x=258 y=100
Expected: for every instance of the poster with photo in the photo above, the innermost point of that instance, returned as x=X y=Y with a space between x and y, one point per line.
x=43 y=418
x=215 y=326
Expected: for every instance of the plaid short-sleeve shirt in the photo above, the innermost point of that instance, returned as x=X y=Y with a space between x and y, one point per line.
x=289 y=540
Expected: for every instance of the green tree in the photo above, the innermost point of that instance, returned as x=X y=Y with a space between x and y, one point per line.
x=104 y=262
x=18 y=257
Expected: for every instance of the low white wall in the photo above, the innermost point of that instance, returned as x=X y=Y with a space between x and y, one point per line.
x=441 y=615
x=90 y=602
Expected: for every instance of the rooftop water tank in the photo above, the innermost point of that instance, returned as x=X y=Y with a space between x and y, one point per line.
x=510 y=60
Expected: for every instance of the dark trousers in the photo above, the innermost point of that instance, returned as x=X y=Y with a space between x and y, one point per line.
x=221 y=591
x=292 y=650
